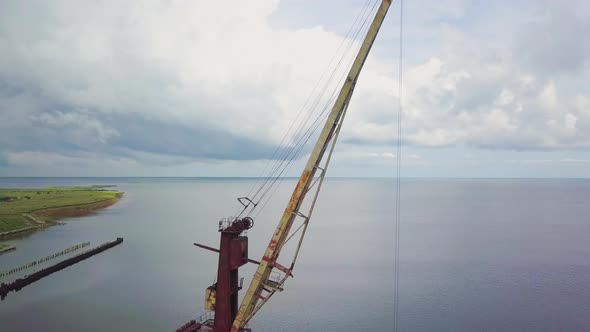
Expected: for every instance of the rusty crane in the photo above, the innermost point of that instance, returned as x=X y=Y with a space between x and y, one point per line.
x=222 y=297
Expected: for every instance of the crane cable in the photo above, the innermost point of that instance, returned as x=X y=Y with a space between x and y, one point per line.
x=313 y=128
x=302 y=136
x=296 y=133
x=398 y=175
x=283 y=144
x=293 y=151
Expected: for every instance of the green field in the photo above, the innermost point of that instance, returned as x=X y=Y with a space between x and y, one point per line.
x=16 y=204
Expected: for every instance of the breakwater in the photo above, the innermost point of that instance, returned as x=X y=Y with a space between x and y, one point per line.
x=5 y=248
x=44 y=259
x=16 y=231
x=18 y=284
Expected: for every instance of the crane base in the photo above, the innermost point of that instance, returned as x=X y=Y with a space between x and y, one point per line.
x=206 y=326
x=194 y=326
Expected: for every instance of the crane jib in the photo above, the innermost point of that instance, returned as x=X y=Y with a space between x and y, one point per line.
x=262 y=286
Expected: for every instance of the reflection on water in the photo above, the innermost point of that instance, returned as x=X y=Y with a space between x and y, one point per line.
x=489 y=255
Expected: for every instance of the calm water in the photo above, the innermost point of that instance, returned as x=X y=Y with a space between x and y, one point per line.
x=476 y=255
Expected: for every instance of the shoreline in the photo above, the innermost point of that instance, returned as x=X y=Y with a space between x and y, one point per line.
x=47 y=217
x=4 y=248
x=53 y=214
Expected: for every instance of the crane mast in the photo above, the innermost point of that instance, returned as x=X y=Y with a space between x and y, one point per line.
x=262 y=287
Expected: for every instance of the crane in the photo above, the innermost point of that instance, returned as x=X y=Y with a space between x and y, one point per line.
x=233 y=251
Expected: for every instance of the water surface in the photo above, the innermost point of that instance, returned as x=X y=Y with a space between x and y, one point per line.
x=476 y=255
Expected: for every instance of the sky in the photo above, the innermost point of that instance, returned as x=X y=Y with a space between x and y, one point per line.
x=211 y=88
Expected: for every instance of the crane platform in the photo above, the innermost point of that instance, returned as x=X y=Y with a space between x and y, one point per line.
x=205 y=326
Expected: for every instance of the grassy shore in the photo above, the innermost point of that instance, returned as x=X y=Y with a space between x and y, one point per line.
x=29 y=209
x=5 y=247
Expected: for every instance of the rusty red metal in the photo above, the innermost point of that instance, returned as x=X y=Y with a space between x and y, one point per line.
x=279 y=267
x=233 y=253
x=217 y=251
x=192 y=326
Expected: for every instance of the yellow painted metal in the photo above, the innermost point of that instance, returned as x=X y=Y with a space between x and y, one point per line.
x=261 y=278
x=210 y=298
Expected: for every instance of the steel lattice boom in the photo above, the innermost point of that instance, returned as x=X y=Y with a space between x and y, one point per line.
x=262 y=287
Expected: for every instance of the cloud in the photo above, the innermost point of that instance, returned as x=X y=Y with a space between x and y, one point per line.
x=546 y=161
x=81 y=126
x=166 y=78
x=187 y=81
x=549 y=42
x=516 y=88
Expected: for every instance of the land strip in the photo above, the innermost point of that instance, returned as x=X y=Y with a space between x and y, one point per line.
x=23 y=210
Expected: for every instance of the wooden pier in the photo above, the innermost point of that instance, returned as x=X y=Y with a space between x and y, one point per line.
x=43 y=260
x=18 y=284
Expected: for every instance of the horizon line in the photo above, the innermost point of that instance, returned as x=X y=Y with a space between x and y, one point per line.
x=289 y=177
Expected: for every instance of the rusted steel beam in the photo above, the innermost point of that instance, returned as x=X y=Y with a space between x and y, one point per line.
x=217 y=251
x=250 y=304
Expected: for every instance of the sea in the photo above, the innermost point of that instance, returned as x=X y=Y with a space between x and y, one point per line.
x=474 y=255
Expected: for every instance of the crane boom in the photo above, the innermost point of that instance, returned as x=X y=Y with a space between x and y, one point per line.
x=261 y=287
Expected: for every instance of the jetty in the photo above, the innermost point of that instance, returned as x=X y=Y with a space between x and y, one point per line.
x=20 y=283
x=5 y=248
x=44 y=259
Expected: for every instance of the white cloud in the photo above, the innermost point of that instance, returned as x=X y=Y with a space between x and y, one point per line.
x=72 y=69
x=84 y=127
x=36 y=159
